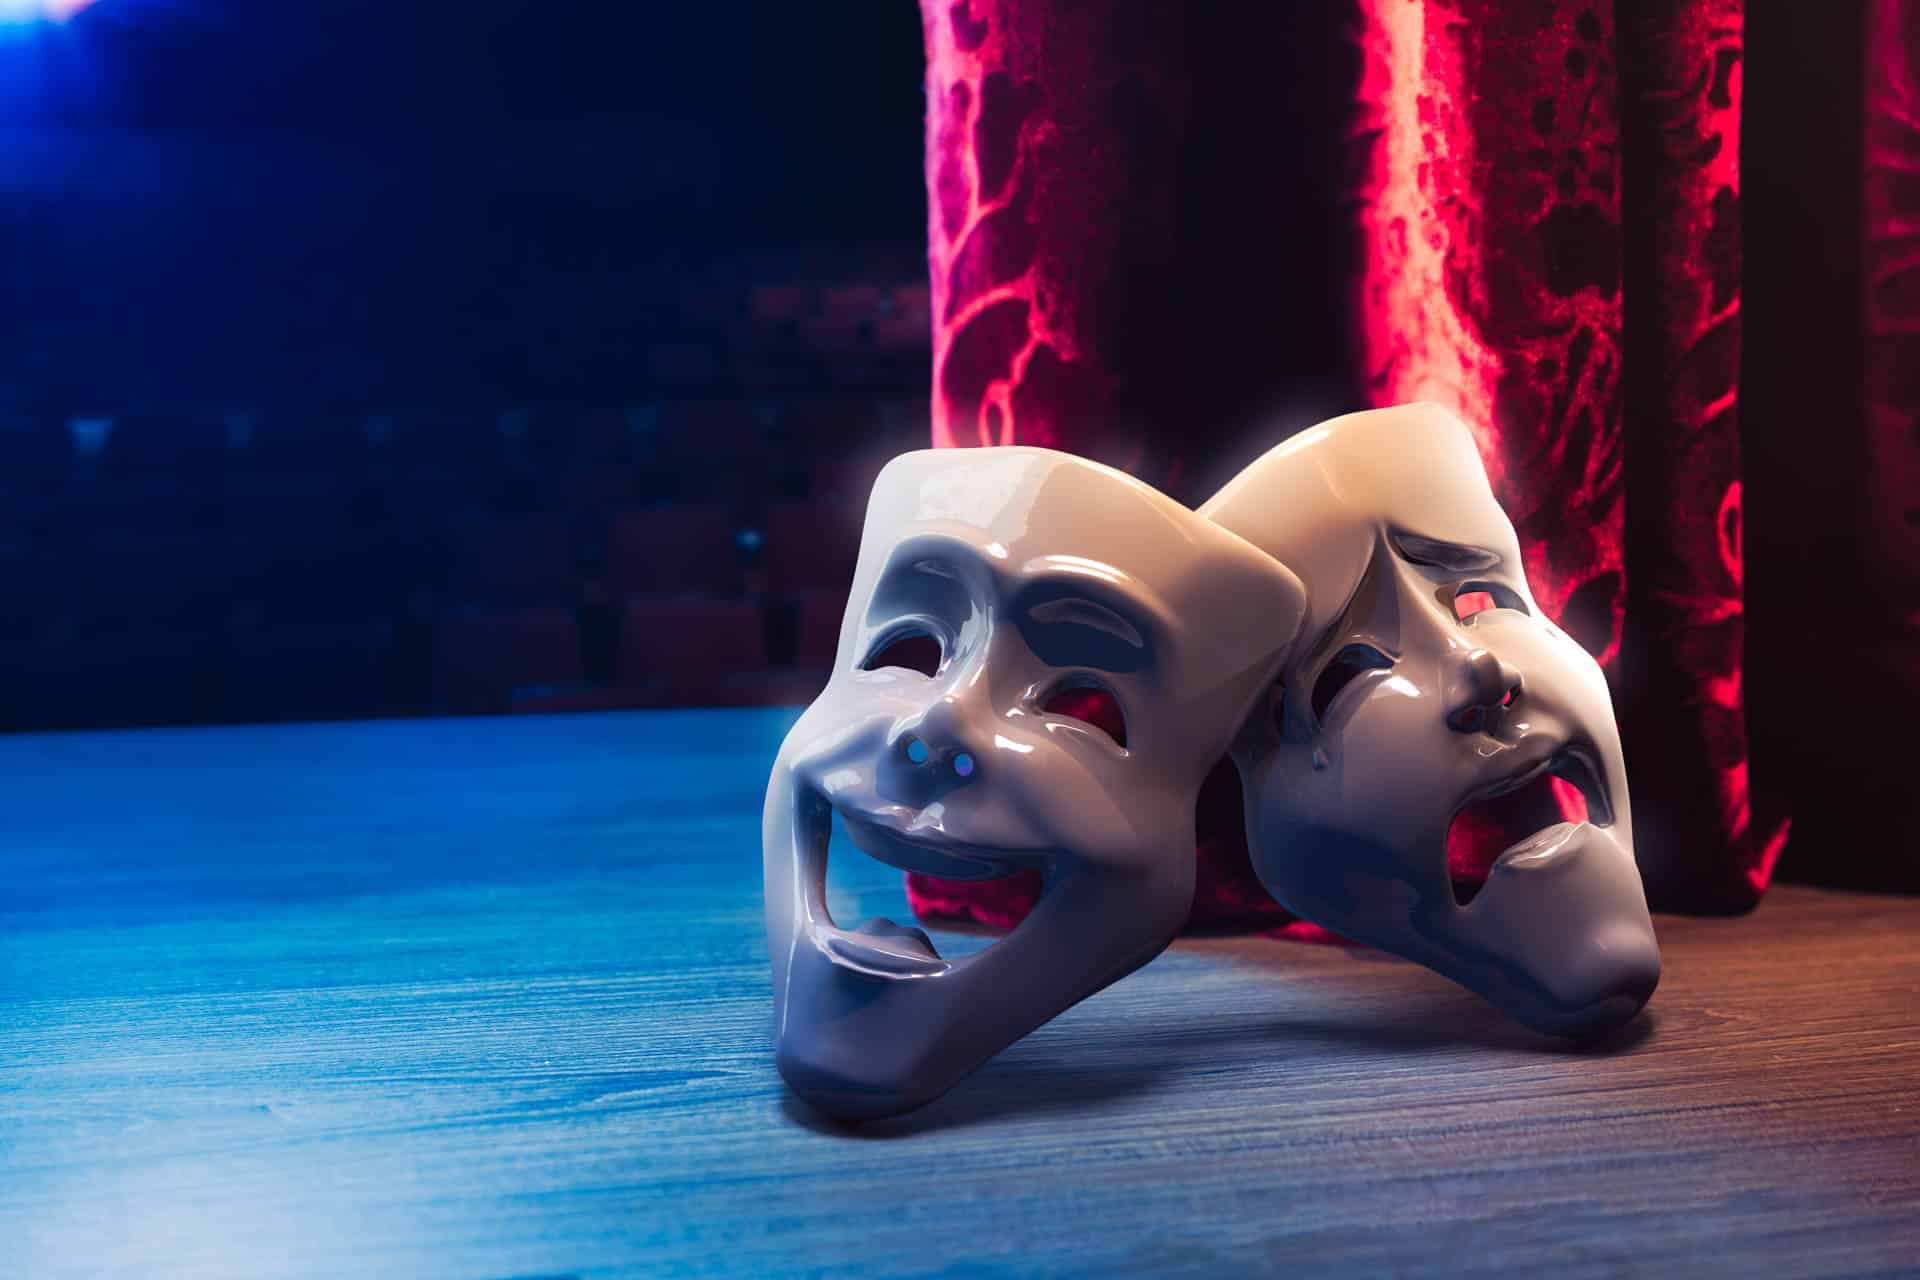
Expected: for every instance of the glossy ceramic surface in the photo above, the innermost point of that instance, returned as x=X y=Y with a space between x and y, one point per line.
x=1427 y=680
x=990 y=581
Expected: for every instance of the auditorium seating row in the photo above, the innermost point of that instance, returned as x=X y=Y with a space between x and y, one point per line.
x=340 y=573
x=683 y=443
x=644 y=651
x=664 y=650
x=243 y=567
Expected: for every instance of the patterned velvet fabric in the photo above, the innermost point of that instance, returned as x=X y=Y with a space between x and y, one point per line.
x=1545 y=202
x=1891 y=295
x=1840 y=367
x=1706 y=841
x=1488 y=201
x=1051 y=137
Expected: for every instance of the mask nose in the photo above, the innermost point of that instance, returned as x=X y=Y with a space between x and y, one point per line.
x=927 y=759
x=1480 y=689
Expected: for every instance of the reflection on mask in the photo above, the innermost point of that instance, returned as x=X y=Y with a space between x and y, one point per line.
x=1426 y=686
x=1040 y=660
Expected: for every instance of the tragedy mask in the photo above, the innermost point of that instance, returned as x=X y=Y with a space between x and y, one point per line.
x=1000 y=594
x=1426 y=686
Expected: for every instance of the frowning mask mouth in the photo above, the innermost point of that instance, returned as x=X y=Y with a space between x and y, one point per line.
x=1529 y=816
x=908 y=840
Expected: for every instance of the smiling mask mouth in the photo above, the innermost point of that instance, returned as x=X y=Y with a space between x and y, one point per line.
x=1530 y=816
x=906 y=841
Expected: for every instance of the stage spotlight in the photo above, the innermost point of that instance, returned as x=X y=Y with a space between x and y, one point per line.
x=23 y=11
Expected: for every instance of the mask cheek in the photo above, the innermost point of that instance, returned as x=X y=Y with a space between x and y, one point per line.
x=1044 y=797
x=1389 y=759
x=1287 y=800
x=1349 y=828
x=1549 y=658
x=1564 y=694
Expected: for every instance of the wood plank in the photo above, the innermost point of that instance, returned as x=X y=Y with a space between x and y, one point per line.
x=488 y=998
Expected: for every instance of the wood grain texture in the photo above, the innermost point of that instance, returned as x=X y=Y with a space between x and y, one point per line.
x=488 y=999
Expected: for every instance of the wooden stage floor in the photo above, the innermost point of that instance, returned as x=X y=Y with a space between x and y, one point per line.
x=488 y=998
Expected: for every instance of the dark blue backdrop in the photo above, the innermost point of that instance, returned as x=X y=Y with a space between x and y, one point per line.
x=359 y=358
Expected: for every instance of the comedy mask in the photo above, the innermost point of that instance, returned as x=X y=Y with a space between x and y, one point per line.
x=997 y=591
x=1426 y=684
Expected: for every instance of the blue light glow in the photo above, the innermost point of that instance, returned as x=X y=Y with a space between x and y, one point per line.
x=23 y=11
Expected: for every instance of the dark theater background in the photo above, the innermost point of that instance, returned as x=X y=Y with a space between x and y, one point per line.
x=366 y=359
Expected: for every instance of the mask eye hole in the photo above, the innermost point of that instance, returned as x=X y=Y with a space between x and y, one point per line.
x=1346 y=667
x=1477 y=597
x=913 y=650
x=1090 y=703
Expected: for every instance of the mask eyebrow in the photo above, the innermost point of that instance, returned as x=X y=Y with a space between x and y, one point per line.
x=1455 y=557
x=931 y=575
x=926 y=556
x=1071 y=621
x=1078 y=611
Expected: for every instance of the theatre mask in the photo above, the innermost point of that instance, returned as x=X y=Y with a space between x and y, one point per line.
x=1426 y=685
x=1040 y=660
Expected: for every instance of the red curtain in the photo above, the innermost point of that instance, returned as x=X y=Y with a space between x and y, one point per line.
x=1542 y=208
x=1050 y=142
x=1891 y=249
x=1077 y=291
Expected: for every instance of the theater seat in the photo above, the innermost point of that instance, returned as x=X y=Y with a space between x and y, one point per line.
x=674 y=550
x=811 y=545
x=710 y=435
x=482 y=661
x=519 y=562
x=690 y=649
x=817 y=630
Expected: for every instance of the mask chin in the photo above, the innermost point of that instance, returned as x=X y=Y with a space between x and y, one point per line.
x=872 y=1022
x=1560 y=937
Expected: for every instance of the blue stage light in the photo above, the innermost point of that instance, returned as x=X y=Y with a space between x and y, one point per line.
x=22 y=11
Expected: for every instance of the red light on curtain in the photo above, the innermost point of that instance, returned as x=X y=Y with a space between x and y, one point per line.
x=1490 y=276
x=1050 y=148
x=1054 y=134
x=1595 y=348
x=1599 y=367
x=1891 y=244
